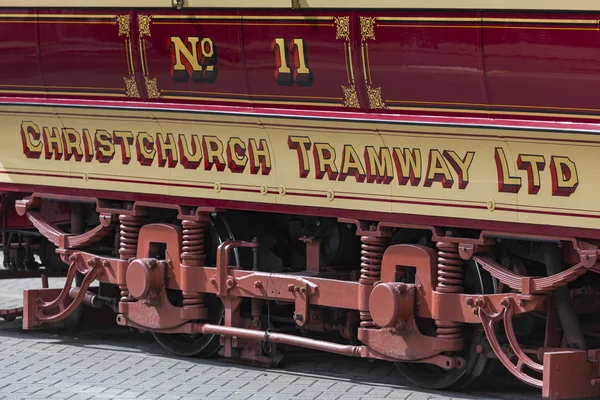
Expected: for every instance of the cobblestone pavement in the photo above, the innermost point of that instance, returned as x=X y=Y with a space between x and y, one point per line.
x=115 y=363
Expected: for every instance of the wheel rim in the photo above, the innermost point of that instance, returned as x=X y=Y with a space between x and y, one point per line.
x=430 y=376
x=219 y=231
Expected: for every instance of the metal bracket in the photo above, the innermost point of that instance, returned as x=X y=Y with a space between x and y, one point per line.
x=303 y=290
x=222 y=280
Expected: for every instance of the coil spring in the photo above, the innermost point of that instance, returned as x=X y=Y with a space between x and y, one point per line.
x=372 y=249
x=192 y=255
x=129 y=231
x=450 y=280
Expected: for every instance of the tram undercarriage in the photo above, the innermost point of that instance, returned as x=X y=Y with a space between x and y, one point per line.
x=443 y=304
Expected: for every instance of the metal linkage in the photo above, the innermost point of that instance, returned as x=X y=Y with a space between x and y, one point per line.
x=129 y=231
x=489 y=319
x=450 y=280
x=372 y=250
x=192 y=255
x=60 y=307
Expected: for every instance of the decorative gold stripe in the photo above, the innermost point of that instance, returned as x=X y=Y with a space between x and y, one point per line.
x=347 y=64
x=364 y=61
x=445 y=103
x=298 y=103
x=253 y=95
x=476 y=111
x=130 y=57
x=499 y=20
x=544 y=28
x=350 y=62
x=60 y=87
x=60 y=16
x=66 y=93
x=368 y=62
x=56 y=22
x=143 y=57
x=574 y=5
x=243 y=23
x=247 y=17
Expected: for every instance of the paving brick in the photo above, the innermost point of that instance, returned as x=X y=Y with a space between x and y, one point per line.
x=114 y=363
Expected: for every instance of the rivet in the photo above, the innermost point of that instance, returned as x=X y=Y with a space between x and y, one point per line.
x=86 y=176
x=217 y=187
x=330 y=195
x=264 y=190
x=491 y=204
x=282 y=190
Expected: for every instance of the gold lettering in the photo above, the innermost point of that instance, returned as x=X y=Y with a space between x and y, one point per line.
x=408 y=165
x=351 y=165
x=533 y=164
x=30 y=138
x=260 y=158
x=144 y=146
x=190 y=159
x=506 y=182
x=213 y=153
x=379 y=166
x=52 y=144
x=187 y=66
x=460 y=165
x=125 y=139
x=236 y=155
x=105 y=149
x=438 y=170
x=167 y=150
x=564 y=176
x=324 y=156
x=72 y=144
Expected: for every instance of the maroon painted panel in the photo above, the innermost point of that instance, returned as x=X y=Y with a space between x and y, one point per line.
x=421 y=62
x=252 y=59
x=316 y=56
x=214 y=74
x=19 y=65
x=504 y=65
x=84 y=53
x=554 y=66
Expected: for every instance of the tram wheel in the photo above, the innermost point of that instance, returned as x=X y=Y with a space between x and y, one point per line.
x=184 y=345
x=430 y=376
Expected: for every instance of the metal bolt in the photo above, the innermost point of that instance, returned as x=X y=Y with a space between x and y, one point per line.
x=230 y=283
x=470 y=301
x=258 y=284
x=297 y=288
x=298 y=317
x=401 y=288
x=303 y=290
x=213 y=281
x=91 y=262
x=290 y=288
